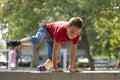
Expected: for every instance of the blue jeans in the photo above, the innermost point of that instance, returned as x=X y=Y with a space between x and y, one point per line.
x=43 y=35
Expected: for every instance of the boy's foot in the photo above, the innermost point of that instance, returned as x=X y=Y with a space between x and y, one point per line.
x=41 y=68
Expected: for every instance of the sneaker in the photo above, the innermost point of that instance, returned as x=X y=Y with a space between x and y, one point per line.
x=41 y=68
x=13 y=43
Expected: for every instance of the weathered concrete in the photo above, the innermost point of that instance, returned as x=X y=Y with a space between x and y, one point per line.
x=86 y=75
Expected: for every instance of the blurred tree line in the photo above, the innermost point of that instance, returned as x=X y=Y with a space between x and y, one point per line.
x=101 y=35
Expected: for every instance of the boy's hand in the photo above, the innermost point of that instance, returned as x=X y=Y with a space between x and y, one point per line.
x=77 y=70
x=58 y=70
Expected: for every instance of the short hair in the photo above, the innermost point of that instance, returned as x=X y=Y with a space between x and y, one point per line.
x=76 y=21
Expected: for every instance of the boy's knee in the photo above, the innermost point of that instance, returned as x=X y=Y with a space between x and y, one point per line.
x=34 y=40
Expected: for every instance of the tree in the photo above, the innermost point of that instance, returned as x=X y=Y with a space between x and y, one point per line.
x=101 y=20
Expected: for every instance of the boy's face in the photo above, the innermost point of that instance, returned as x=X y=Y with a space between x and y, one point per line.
x=73 y=31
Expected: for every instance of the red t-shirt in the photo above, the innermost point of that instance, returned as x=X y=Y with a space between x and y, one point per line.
x=58 y=31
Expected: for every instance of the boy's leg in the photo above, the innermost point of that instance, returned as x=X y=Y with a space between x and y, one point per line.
x=49 y=44
x=38 y=38
x=48 y=64
x=26 y=41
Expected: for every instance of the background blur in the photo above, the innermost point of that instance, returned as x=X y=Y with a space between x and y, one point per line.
x=99 y=46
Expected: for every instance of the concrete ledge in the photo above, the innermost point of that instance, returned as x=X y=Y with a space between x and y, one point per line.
x=34 y=75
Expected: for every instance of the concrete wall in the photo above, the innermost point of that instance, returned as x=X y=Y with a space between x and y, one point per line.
x=88 y=75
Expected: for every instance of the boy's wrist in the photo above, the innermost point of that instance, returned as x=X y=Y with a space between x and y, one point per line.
x=55 y=67
x=70 y=67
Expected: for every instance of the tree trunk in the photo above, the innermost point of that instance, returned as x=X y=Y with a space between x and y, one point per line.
x=87 y=49
x=109 y=55
x=35 y=61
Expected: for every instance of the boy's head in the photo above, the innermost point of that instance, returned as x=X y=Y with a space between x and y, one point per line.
x=75 y=27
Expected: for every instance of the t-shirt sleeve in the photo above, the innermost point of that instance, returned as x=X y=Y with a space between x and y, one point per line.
x=76 y=39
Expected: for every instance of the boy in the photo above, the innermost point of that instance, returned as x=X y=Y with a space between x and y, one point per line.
x=54 y=35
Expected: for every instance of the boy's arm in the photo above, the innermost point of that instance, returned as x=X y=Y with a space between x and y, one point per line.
x=72 y=57
x=56 y=47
